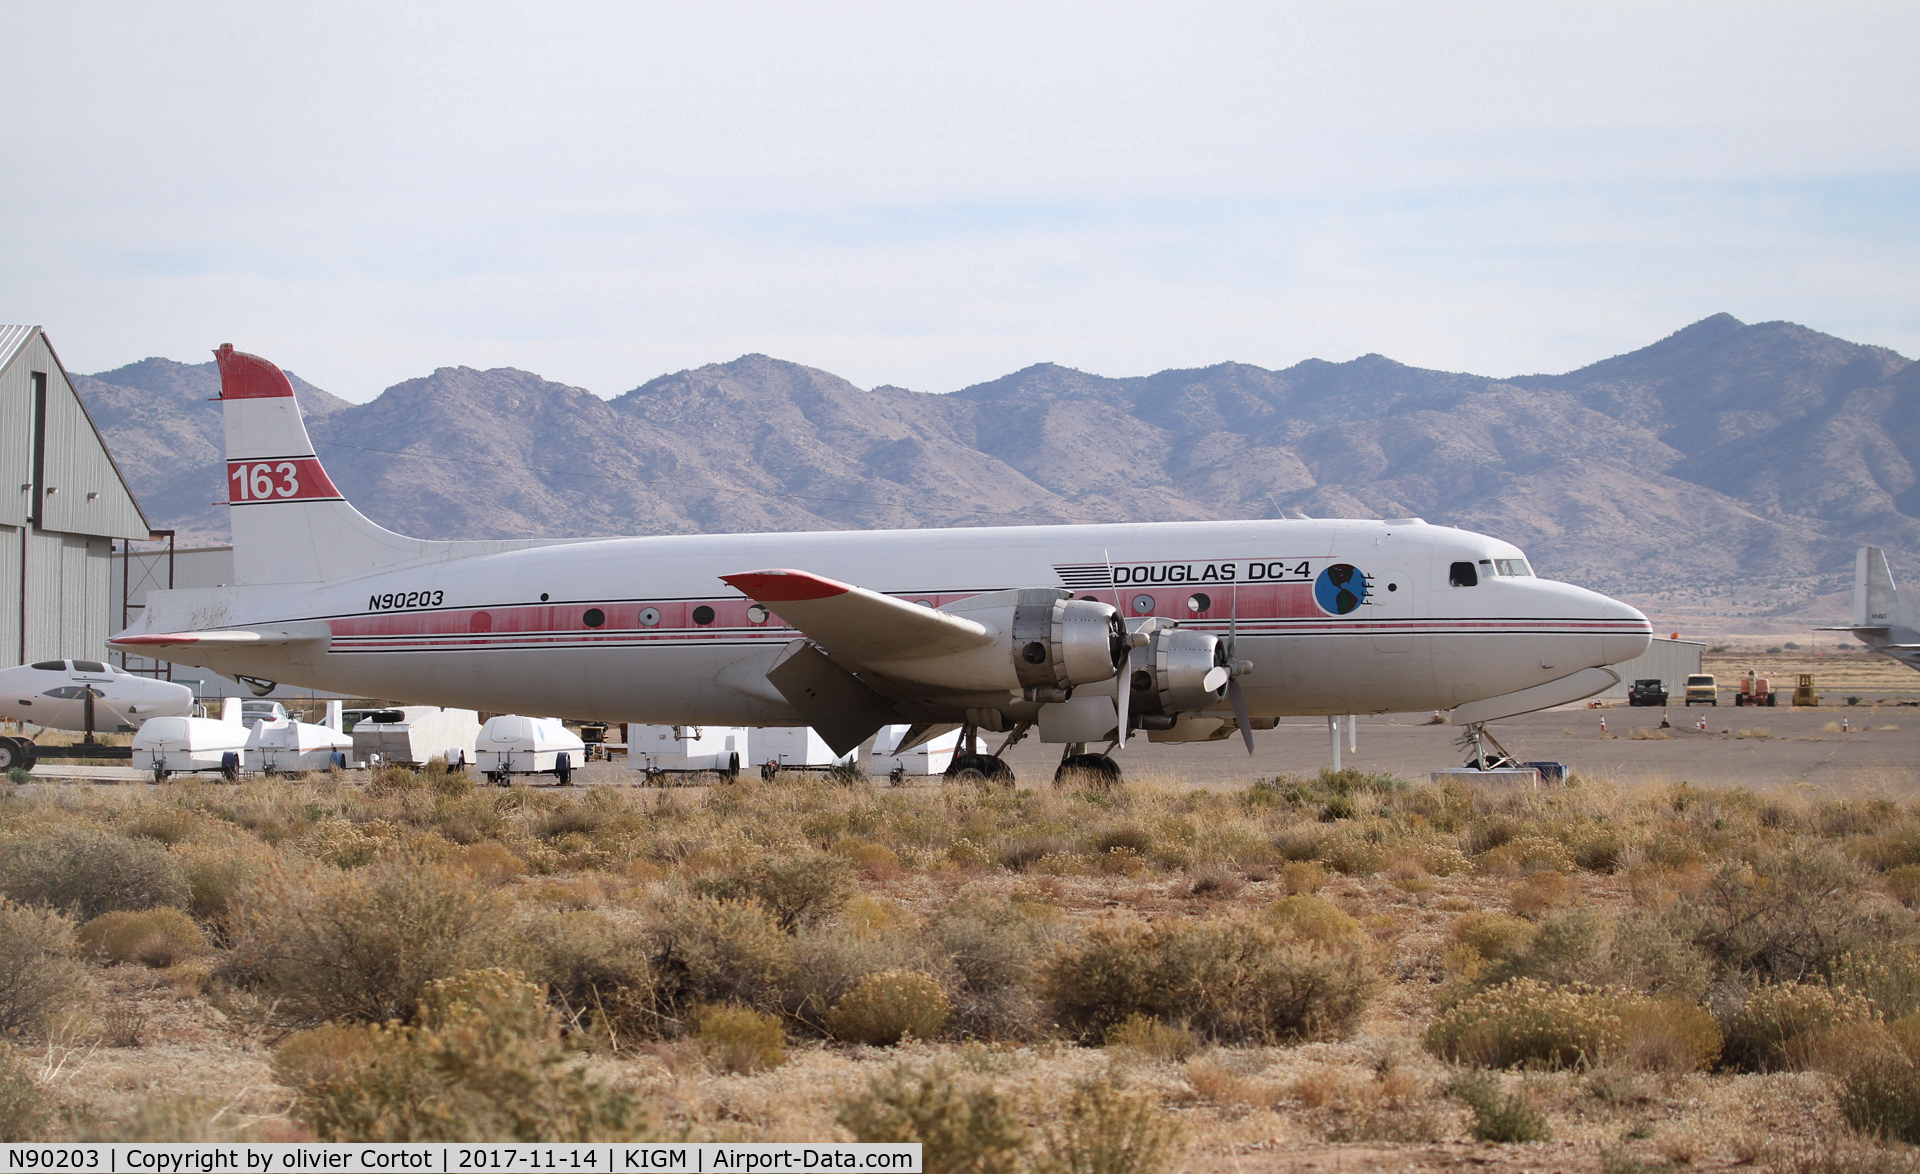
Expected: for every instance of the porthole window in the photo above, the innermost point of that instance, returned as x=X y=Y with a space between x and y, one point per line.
x=1198 y=602
x=1142 y=604
x=543 y=597
x=703 y=614
x=649 y=616
x=756 y=614
x=924 y=602
x=1393 y=586
x=594 y=617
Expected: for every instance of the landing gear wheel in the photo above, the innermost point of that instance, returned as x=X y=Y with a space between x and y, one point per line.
x=10 y=755
x=1094 y=772
x=980 y=770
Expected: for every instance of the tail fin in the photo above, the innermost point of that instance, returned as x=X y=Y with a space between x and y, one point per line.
x=290 y=525
x=1876 y=603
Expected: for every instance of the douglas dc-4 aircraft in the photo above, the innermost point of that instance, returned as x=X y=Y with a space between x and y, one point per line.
x=1081 y=634
x=1881 y=619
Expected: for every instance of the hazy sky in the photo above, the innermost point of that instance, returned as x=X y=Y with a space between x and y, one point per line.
x=936 y=195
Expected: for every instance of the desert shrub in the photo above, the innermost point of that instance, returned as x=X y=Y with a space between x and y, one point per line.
x=217 y=873
x=484 y=1063
x=1310 y=919
x=872 y=859
x=86 y=872
x=1500 y=1116
x=1152 y=1039
x=1526 y=855
x=739 y=1039
x=962 y=1130
x=799 y=888
x=153 y=937
x=1904 y=883
x=1231 y=979
x=1543 y=891
x=1525 y=1021
x=364 y=944
x=708 y=950
x=1581 y=946
x=1788 y=915
x=1670 y=1035
x=38 y=975
x=596 y=973
x=1487 y=937
x=492 y=861
x=1877 y=1068
x=830 y=960
x=1303 y=877
x=884 y=1008
x=1106 y=1128
x=168 y=1118
x=25 y=1108
x=995 y=952
x=1888 y=975
x=1763 y=1032
x=162 y=822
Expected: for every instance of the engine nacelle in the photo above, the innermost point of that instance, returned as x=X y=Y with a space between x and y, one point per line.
x=1189 y=671
x=1047 y=643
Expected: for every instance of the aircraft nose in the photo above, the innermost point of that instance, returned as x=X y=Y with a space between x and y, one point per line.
x=1628 y=633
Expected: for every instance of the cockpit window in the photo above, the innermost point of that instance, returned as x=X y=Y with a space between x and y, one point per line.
x=88 y=666
x=1512 y=568
x=58 y=666
x=1464 y=575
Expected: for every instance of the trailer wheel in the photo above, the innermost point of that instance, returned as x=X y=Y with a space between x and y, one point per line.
x=563 y=768
x=733 y=766
x=159 y=773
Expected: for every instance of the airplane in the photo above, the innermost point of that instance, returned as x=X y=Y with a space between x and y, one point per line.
x=1881 y=619
x=55 y=694
x=1080 y=634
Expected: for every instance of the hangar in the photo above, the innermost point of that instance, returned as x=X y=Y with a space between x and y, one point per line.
x=57 y=530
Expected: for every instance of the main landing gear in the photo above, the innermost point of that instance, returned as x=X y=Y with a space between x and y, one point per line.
x=1475 y=739
x=1094 y=772
x=983 y=770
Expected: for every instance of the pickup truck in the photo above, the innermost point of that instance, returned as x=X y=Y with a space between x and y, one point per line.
x=1647 y=691
x=1701 y=687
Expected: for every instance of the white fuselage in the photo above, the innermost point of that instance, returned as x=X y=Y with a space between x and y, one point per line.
x=52 y=694
x=516 y=630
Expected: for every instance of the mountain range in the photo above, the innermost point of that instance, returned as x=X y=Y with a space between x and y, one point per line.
x=1721 y=476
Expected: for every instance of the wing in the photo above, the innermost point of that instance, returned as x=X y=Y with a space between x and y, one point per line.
x=303 y=632
x=856 y=624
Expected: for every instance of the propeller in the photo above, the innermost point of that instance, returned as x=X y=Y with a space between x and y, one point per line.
x=1123 y=688
x=1235 y=693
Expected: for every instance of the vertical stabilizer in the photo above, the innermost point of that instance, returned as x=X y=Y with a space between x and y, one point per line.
x=1876 y=603
x=290 y=525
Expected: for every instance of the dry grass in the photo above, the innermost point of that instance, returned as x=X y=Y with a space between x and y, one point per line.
x=1301 y=938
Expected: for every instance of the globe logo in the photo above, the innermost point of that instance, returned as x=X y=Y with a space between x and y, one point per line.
x=1339 y=589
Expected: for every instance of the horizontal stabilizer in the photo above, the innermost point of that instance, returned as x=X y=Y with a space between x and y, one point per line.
x=1575 y=687
x=1855 y=628
x=855 y=624
x=304 y=632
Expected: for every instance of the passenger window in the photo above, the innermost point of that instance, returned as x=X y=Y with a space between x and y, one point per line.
x=1464 y=575
x=58 y=666
x=88 y=666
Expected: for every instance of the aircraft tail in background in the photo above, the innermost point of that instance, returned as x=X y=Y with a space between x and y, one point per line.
x=1881 y=619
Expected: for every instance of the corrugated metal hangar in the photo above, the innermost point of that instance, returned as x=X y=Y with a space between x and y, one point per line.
x=57 y=532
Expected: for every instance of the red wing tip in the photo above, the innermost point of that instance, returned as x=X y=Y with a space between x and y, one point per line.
x=161 y=638
x=784 y=586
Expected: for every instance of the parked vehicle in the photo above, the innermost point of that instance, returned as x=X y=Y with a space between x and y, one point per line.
x=183 y=745
x=1756 y=690
x=1703 y=689
x=1647 y=691
x=413 y=735
x=514 y=745
x=253 y=713
x=289 y=747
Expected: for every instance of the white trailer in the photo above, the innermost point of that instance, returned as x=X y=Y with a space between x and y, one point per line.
x=289 y=747
x=514 y=745
x=675 y=749
x=413 y=735
x=931 y=757
x=777 y=748
x=184 y=745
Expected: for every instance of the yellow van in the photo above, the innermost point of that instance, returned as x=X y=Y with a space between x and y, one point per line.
x=1701 y=687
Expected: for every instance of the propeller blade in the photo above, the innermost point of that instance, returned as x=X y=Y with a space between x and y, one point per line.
x=1238 y=696
x=1123 y=688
